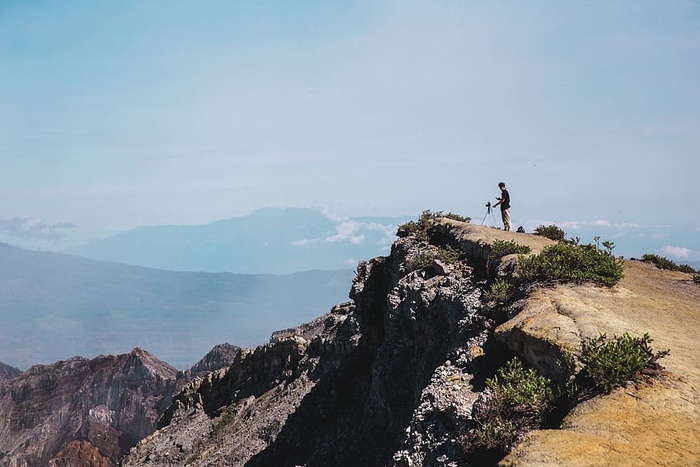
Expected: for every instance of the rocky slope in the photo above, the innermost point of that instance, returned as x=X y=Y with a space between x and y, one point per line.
x=8 y=372
x=390 y=379
x=89 y=412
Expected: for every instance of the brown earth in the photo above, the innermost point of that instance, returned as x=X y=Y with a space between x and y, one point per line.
x=653 y=423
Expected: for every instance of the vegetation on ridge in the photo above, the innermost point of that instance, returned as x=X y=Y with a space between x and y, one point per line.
x=608 y=363
x=570 y=261
x=665 y=263
x=500 y=291
x=551 y=232
x=421 y=228
x=500 y=248
x=520 y=399
x=516 y=402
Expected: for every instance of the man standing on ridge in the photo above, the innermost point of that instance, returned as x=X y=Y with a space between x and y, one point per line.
x=504 y=201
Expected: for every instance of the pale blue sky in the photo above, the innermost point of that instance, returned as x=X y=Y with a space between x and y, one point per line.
x=115 y=114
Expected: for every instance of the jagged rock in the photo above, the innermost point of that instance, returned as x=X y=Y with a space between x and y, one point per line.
x=8 y=372
x=108 y=403
x=220 y=356
x=88 y=412
x=352 y=382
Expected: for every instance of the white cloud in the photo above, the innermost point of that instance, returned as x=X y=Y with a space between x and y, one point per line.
x=583 y=224
x=680 y=253
x=33 y=228
x=347 y=231
x=354 y=232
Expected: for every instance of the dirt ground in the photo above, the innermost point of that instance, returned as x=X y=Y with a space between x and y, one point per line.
x=650 y=424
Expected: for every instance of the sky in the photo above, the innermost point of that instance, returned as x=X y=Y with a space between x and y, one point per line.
x=118 y=114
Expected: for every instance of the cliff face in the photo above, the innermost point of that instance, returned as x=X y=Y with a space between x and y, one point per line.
x=383 y=380
x=390 y=378
x=107 y=403
x=82 y=412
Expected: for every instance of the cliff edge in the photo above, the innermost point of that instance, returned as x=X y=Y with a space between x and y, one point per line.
x=391 y=378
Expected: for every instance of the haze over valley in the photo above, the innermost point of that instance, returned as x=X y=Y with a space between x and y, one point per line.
x=55 y=306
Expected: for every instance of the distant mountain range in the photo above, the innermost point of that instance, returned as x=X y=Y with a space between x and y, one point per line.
x=54 y=306
x=270 y=240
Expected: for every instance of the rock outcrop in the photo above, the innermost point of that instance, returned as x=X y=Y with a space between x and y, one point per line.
x=387 y=379
x=391 y=378
x=89 y=412
x=105 y=404
x=8 y=372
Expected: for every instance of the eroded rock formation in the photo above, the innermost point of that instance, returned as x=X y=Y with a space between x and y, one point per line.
x=89 y=412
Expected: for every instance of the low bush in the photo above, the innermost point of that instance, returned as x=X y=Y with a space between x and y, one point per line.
x=500 y=291
x=610 y=362
x=517 y=400
x=569 y=261
x=665 y=263
x=551 y=231
x=500 y=248
x=421 y=228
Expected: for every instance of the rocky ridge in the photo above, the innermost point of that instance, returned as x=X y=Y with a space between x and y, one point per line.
x=88 y=412
x=392 y=377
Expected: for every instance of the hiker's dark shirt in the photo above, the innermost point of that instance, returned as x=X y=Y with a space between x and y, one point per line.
x=505 y=200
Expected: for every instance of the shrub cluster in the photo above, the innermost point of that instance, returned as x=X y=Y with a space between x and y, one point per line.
x=520 y=399
x=608 y=363
x=500 y=291
x=420 y=228
x=569 y=261
x=551 y=231
x=517 y=401
x=665 y=263
x=500 y=248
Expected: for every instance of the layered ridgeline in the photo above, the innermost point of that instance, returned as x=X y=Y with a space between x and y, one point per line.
x=55 y=306
x=413 y=369
x=270 y=240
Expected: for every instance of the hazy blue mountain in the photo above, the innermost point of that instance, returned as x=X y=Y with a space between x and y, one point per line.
x=269 y=240
x=54 y=306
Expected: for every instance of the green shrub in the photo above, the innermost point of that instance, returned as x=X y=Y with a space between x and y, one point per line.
x=500 y=248
x=444 y=253
x=569 y=261
x=421 y=228
x=454 y=217
x=518 y=400
x=608 y=363
x=696 y=278
x=665 y=263
x=500 y=291
x=551 y=231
